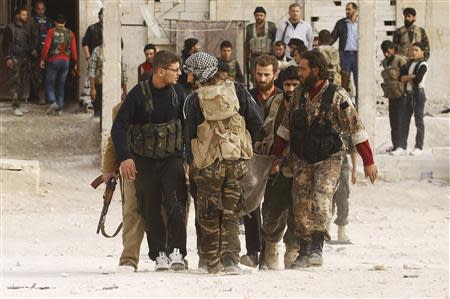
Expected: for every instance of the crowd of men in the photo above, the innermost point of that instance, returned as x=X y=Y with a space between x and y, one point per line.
x=190 y=128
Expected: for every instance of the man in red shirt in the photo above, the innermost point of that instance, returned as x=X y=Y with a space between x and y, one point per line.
x=147 y=66
x=59 y=48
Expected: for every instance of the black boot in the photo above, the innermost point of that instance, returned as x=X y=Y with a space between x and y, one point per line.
x=304 y=254
x=316 y=249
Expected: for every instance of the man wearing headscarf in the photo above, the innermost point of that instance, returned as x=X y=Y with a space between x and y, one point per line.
x=221 y=120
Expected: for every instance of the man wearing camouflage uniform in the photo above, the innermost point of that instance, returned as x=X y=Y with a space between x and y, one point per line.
x=277 y=198
x=220 y=120
x=320 y=112
x=17 y=44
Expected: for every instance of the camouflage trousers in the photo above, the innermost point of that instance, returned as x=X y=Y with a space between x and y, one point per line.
x=19 y=77
x=36 y=78
x=276 y=211
x=218 y=187
x=340 y=198
x=312 y=194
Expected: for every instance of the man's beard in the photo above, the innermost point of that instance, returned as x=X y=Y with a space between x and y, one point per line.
x=408 y=23
x=288 y=96
x=279 y=57
x=309 y=82
x=265 y=86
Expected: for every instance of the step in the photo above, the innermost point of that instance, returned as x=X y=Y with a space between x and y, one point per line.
x=19 y=175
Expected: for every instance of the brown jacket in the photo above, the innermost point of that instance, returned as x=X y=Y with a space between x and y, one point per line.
x=110 y=158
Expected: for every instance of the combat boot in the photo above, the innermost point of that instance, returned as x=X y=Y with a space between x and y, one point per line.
x=289 y=256
x=316 y=250
x=250 y=260
x=271 y=255
x=304 y=254
x=341 y=235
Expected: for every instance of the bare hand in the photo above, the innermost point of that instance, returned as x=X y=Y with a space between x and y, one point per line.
x=10 y=63
x=354 y=176
x=93 y=94
x=371 y=172
x=34 y=53
x=258 y=147
x=128 y=169
x=107 y=176
x=42 y=64
x=275 y=167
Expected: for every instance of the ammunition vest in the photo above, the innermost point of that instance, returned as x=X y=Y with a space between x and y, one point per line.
x=61 y=43
x=233 y=69
x=260 y=44
x=99 y=67
x=392 y=87
x=223 y=134
x=156 y=141
x=317 y=141
x=405 y=43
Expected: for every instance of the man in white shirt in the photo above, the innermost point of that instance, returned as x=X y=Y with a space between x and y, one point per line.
x=295 y=27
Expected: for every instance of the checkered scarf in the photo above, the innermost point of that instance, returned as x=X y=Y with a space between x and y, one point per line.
x=202 y=65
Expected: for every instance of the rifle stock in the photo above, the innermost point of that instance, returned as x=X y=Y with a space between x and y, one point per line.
x=97 y=182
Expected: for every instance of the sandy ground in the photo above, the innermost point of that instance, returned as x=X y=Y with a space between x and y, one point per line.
x=50 y=249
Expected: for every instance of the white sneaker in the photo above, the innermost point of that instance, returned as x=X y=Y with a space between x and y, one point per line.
x=24 y=109
x=177 y=262
x=52 y=108
x=162 y=262
x=389 y=149
x=125 y=269
x=416 y=152
x=17 y=112
x=398 y=152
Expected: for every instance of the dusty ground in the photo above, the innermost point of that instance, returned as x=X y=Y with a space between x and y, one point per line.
x=49 y=246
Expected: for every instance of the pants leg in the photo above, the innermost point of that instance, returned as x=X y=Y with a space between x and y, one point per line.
x=232 y=192
x=63 y=70
x=17 y=81
x=36 y=78
x=419 y=106
x=98 y=100
x=394 y=121
x=50 y=80
x=193 y=186
x=149 y=195
x=405 y=119
x=133 y=226
x=253 y=236
x=340 y=197
x=209 y=190
x=175 y=203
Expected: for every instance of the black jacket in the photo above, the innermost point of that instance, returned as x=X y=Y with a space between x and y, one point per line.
x=17 y=41
x=340 y=32
x=249 y=109
x=93 y=37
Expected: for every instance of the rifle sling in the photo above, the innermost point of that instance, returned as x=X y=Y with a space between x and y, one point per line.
x=102 y=225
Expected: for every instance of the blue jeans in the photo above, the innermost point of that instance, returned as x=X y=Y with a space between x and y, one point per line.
x=349 y=63
x=55 y=79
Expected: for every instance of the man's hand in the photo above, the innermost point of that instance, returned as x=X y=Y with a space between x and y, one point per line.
x=275 y=167
x=93 y=93
x=128 y=169
x=10 y=63
x=42 y=64
x=34 y=53
x=107 y=176
x=354 y=175
x=258 y=147
x=371 y=172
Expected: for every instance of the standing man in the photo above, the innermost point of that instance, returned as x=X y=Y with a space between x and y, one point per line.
x=219 y=143
x=226 y=56
x=278 y=197
x=295 y=27
x=320 y=112
x=17 y=44
x=346 y=30
x=266 y=67
x=147 y=66
x=148 y=137
x=404 y=37
x=93 y=37
x=259 y=38
x=40 y=25
x=59 y=48
x=331 y=56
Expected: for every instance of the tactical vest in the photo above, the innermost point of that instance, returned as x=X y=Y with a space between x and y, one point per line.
x=233 y=69
x=392 y=87
x=317 y=141
x=99 y=67
x=405 y=43
x=223 y=134
x=156 y=141
x=260 y=44
x=61 y=42
x=332 y=57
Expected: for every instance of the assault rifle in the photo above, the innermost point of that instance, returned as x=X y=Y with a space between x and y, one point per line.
x=107 y=197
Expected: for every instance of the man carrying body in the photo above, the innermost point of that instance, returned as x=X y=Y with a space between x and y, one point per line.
x=40 y=25
x=17 y=44
x=312 y=125
x=258 y=40
x=150 y=123
x=219 y=143
x=277 y=198
x=295 y=27
x=346 y=30
x=404 y=37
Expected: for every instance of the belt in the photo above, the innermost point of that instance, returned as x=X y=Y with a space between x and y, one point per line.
x=351 y=51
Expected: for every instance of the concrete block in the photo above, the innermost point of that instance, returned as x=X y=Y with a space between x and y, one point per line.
x=19 y=175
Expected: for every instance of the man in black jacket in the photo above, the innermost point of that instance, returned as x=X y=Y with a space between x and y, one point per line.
x=346 y=30
x=93 y=37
